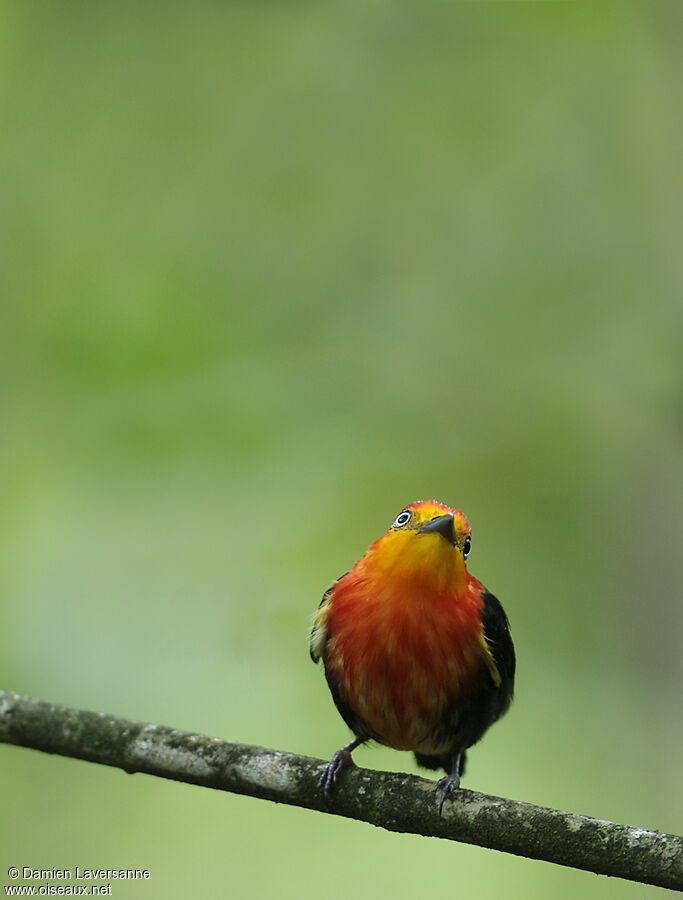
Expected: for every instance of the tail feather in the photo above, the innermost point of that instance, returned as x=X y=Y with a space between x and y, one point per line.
x=444 y=762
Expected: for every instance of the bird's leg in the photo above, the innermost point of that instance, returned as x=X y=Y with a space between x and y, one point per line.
x=451 y=782
x=340 y=761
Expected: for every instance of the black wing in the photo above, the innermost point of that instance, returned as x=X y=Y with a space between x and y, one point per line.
x=497 y=634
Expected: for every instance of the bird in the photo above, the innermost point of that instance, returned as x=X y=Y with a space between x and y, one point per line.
x=417 y=653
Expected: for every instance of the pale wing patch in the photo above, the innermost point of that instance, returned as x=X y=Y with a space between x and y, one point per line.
x=318 y=637
x=490 y=661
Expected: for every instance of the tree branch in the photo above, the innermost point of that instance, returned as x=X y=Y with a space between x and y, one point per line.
x=396 y=802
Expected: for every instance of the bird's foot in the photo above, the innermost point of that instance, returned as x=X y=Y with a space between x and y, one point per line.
x=340 y=761
x=447 y=785
x=451 y=782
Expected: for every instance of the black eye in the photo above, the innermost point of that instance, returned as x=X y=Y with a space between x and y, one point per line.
x=402 y=518
x=466 y=546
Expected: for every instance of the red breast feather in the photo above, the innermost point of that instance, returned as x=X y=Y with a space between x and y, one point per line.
x=405 y=642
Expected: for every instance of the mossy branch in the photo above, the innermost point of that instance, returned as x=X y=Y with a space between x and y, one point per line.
x=396 y=802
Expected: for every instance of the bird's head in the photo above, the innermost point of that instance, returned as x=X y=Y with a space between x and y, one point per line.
x=427 y=540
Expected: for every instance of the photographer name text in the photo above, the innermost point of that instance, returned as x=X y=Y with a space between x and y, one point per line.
x=79 y=874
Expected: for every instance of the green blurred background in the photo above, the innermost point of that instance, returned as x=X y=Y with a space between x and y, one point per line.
x=271 y=271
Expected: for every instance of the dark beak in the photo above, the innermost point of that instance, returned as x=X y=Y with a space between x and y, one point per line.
x=441 y=524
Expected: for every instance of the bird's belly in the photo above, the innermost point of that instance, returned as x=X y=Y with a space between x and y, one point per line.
x=404 y=701
x=406 y=668
x=402 y=718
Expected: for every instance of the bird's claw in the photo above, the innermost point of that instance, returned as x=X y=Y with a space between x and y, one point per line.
x=447 y=786
x=340 y=761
